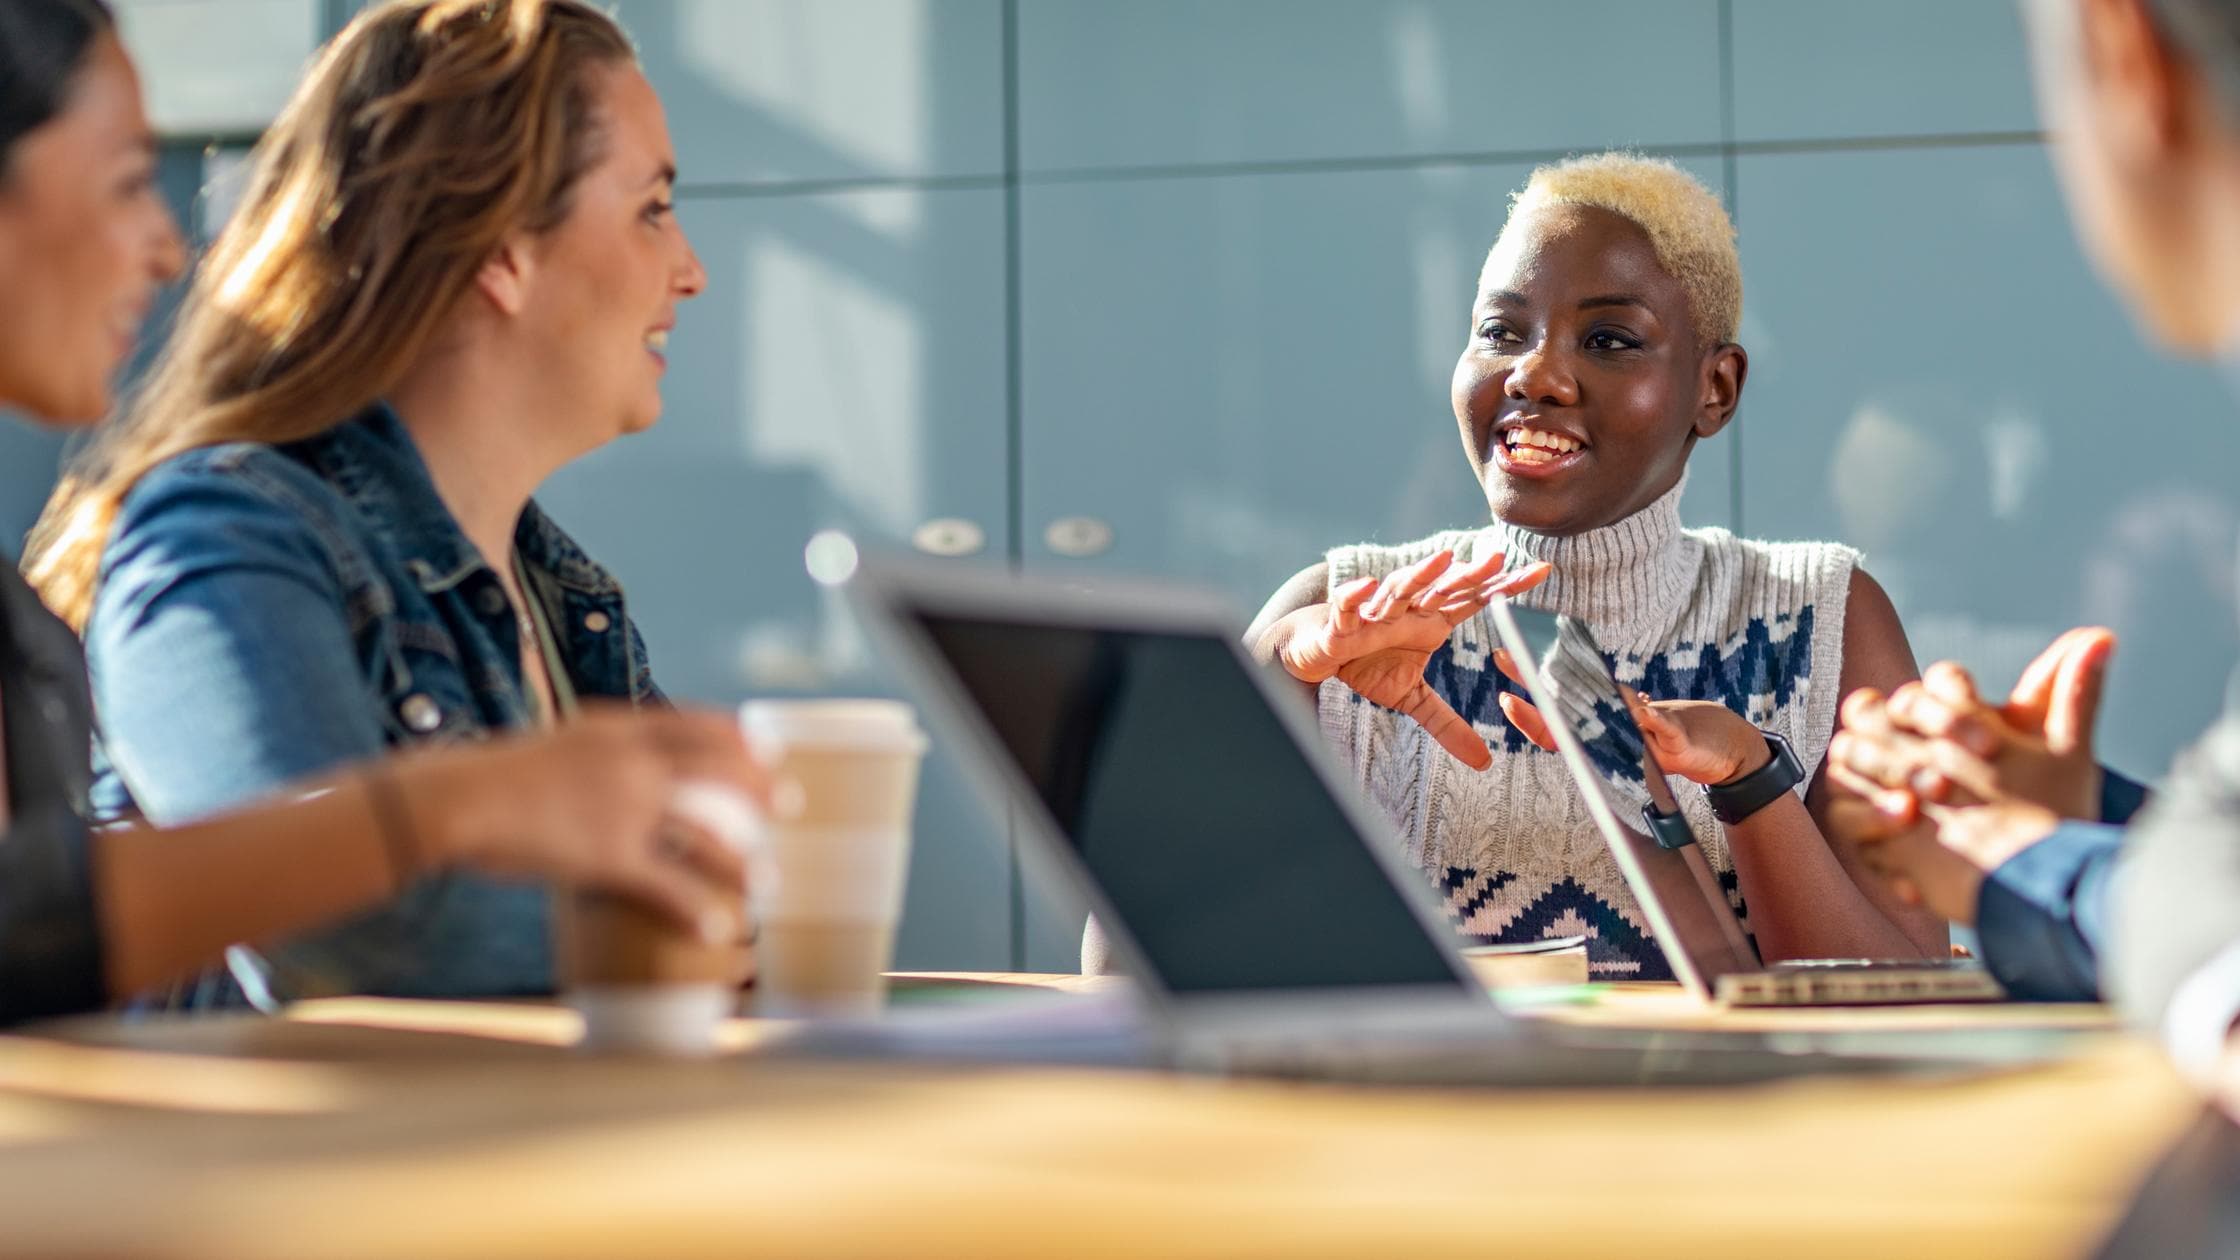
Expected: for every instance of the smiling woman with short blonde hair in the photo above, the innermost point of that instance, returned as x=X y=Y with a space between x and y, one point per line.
x=1600 y=352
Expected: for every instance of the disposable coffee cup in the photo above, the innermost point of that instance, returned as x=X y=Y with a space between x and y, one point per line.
x=825 y=884
x=642 y=983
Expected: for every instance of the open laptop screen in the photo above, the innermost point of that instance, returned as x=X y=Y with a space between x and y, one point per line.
x=1203 y=823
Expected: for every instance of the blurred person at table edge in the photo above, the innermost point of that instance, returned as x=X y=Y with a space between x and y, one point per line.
x=86 y=916
x=1979 y=805
x=310 y=537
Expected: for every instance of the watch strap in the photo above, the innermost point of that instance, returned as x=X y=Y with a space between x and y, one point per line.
x=1670 y=831
x=1733 y=802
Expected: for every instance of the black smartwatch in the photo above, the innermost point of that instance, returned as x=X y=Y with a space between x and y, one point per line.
x=1670 y=831
x=1733 y=802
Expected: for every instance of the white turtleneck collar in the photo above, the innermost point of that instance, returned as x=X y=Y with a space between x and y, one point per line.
x=1631 y=577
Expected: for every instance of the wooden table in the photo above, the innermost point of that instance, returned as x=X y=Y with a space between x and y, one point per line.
x=398 y=1129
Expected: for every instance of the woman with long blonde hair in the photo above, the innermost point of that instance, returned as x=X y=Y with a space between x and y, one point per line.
x=85 y=916
x=310 y=539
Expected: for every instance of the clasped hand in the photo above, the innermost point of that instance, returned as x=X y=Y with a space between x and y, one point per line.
x=1938 y=787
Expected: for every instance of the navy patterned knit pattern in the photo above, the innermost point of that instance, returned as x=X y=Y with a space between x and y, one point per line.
x=1680 y=614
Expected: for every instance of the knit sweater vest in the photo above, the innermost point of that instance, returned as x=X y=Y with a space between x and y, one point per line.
x=1682 y=614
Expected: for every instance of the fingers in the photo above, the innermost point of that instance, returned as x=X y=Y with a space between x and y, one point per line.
x=1445 y=725
x=710 y=911
x=1865 y=711
x=2037 y=682
x=1894 y=802
x=1462 y=604
x=2073 y=705
x=1943 y=705
x=1346 y=602
x=1402 y=587
x=1663 y=735
x=1517 y=581
x=1876 y=767
x=1949 y=682
x=1462 y=581
x=719 y=862
x=1853 y=819
x=1507 y=664
x=1527 y=720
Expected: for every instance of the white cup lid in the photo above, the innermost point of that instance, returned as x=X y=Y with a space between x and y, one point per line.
x=875 y=724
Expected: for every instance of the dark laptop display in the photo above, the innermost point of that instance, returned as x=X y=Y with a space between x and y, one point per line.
x=1204 y=823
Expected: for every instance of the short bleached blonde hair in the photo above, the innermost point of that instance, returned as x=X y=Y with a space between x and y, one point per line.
x=1687 y=227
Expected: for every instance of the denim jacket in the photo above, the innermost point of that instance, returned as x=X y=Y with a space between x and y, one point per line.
x=268 y=613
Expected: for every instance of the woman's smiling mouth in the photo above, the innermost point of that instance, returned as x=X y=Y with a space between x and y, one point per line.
x=1532 y=451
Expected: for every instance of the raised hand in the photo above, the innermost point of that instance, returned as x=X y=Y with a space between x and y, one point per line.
x=1377 y=637
x=1936 y=846
x=1940 y=740
x=1702 y=741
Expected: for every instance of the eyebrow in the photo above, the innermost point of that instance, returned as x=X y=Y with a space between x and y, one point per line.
x=666 y=175
x=1611 y=299
x=1510 y=297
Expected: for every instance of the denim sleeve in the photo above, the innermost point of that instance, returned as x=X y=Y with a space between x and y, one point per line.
x=2041 y=917
x=2120 y=798
x=222 y=661
x=50 y=940
x=223 y=670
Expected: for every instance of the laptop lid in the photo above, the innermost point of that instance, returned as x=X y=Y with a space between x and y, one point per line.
x=1182 y=788
x=1617 y=773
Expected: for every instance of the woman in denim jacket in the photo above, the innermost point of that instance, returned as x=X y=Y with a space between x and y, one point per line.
x=84 y=243
x=310 y=539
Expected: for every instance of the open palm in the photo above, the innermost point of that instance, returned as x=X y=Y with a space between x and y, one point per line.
x=1378 y=636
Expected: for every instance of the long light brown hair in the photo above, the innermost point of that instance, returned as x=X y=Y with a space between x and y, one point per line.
x=426 y=132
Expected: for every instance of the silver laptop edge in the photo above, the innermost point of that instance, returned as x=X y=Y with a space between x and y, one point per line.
x=1744 y=981
x=1526 y=656
x=884 y=586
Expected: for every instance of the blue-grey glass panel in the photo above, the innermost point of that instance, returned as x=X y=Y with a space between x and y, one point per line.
x=1239 y=373
x=1892 y=68
x=845 y=369
x=1156 y=82
x=1953 y=391
x=761 y=91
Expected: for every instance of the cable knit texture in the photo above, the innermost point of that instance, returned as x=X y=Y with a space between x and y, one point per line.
x=1683 y=614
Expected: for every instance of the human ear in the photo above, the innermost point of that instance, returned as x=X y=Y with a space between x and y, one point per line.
x=504 y=277
x=1725 y=367
x=2139 y=89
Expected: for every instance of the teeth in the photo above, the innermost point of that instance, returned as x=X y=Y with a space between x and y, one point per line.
x=1524 y=439
x=657 y=340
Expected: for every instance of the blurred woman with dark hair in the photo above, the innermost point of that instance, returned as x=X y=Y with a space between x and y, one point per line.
x=85 y=242
x=310 y=539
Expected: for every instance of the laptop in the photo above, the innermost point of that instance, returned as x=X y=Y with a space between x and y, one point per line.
x=1186 y=794
x=1688 y=912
